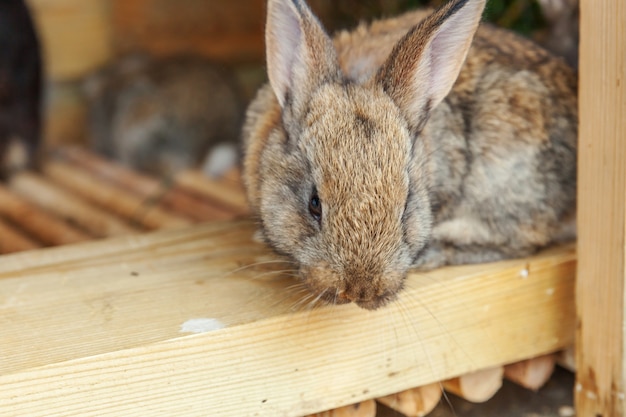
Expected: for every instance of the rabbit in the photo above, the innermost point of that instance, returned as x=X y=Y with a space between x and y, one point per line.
x=164 y=115
x=20 y=88
x=415 y=142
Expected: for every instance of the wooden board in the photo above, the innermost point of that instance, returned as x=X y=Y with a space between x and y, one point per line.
x=98 y=328
x=601 y=361
x=75 y=35
x=227 y=32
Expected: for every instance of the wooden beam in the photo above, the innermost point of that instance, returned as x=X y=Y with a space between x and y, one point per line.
x=601 y=362
x=229 y=32
x=106 y=328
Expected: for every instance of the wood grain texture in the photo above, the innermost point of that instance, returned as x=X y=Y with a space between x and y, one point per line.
x=229 y=196
x=136 y=208
x=225 y=31
x=414 y=402
x=362 y=409
x=46 y=228
x=151 y=189
x=531 y=373
x=74 y=210
x=601 y=361
x=106 y=318
x=14 y=240
x=478 y=386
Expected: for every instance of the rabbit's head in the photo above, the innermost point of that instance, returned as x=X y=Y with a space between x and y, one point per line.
x=343 y=180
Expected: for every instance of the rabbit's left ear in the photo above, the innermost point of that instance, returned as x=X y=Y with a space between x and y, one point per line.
x=300 y=55
x=424 y=65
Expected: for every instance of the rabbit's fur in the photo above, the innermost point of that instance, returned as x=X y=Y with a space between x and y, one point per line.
x=367 y=156
x=161 y=115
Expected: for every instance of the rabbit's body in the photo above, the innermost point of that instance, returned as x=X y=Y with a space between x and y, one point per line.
x=163 y=115
x=489 y=171
x=502 y=144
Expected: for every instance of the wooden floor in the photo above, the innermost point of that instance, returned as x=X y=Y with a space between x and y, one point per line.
x=199 y=319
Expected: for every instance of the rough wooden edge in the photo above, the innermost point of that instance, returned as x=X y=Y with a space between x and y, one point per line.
x=267 y=361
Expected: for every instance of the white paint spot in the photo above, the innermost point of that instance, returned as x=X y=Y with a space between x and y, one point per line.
x=579 y=387
x=591 y=395
x=201 y=325
x=524 y=273
x=550 y=291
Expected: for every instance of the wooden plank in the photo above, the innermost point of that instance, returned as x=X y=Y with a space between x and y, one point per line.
x=75 y=35
x=14 y=240
x=363 y=409
x=226 y=194
x=47 y=228
x=601 y=361
x=478 y=386
x=225 y=31
x=532 y=373
x=69 y=207
x=117 y=310
x=161 y=192
x=137 y=209
x=418 y=401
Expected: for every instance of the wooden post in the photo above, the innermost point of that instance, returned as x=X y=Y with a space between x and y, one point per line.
x=601 y=376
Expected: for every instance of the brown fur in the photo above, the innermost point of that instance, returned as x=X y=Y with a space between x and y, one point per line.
x=409 y=172
x=162 y=115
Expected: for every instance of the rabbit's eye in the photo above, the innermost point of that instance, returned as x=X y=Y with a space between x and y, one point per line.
x=315 y=207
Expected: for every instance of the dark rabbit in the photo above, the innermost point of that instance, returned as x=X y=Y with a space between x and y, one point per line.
x=163 y=115
x=423 y=140
x=20 y=87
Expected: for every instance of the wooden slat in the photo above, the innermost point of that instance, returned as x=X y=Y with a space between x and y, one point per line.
x=531 y=373
x=48 y=229
x=14 y=240
x=147 y=187
x=111 y=311
x=136 y=209
x=478 y=386
x=363 y=409
x=226 y=194
x=68 y=206
x=415 y=401
x=225 y=31
x=601 y=361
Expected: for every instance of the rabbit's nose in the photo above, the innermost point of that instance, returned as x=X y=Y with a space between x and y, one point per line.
x=372 y=301
x=357 y=294
x=343 y=296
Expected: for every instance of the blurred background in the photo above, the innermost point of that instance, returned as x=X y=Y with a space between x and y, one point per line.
x=80 y=36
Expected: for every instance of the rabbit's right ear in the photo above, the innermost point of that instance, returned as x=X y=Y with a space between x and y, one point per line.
x=424 y=65
x=300 y=55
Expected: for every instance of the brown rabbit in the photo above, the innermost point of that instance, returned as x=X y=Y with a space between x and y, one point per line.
x=161 y=115
x=404 y=143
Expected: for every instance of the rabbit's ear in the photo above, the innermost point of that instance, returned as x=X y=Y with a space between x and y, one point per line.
x=424 y=65
x=300 y=56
